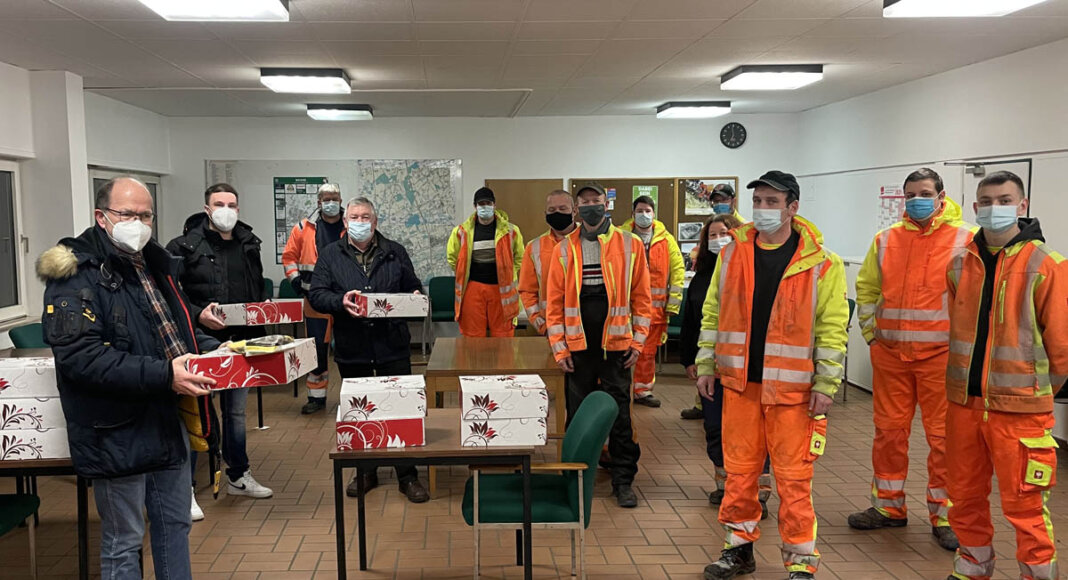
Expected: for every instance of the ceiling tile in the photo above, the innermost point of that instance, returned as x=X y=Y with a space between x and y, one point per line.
x=157 y=29
x=412 y=85
x=575 y=102
x=261 y=30
x=687 y=9
x=384 y=68
x=814 y=50
x=467 y=10
x=525 y=47
x=182 y=103
x=800 y=8
x=631 y=58
x=558 y=10
x=460 y=48
x=566 y=30
x=640 y=29
x=107 y=9
x=535 y=101
x=776 y=28
x=353 y=10
x=292 y=53
x=355 y=49
x=602 y=84
x=454 y=71
x=857 y=28
x=464 y=30
x=359 y=31
x=550 y=67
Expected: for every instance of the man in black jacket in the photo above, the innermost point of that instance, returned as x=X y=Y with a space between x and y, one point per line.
x=221 y=265
x=366 y=261
x=122 y=333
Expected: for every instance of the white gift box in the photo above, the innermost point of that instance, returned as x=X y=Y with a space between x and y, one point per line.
x=234 y=371
x=392 y=305
x=22 y=444
x=503 y=432
x=31 y=414
x=503 y=397
x=283 y=311
x=25 y=378
x=382 y=398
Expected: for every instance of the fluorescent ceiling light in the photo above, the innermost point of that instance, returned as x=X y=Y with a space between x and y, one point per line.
x=693 y=109
x=953 y=8
x=340 y=112
x=221 y=10
x=306 y=80
x=785 y=77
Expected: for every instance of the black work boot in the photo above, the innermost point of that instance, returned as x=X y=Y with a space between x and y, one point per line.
x=625 y=496
x=732 y=562
x=370 y=481
x=692 y=414
x=873 y=519
x=414 y=491
x=801 y=576
x=946 y=538
x=314 y=405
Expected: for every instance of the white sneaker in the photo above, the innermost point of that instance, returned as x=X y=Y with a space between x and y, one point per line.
x=194 y=510
x=246 y=485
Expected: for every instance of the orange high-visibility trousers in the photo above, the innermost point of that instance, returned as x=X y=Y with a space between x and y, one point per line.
x=482 y=310
x=1019 y=449
x=645 y=369
x=898 y=387
x=794 y=441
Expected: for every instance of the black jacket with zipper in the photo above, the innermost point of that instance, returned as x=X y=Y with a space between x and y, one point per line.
x=364 y=340
x=114 y=377
x=692 y=312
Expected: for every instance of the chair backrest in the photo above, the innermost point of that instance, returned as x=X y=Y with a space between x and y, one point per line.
x=28 y=336
x=676 y=320
x=268 y=288
x=285 y=289
x=583 y=442
x=15 y=509
x=441 y=294
x=852 y=307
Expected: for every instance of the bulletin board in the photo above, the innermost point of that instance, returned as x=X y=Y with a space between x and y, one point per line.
x=524 y=202
x=661 y=189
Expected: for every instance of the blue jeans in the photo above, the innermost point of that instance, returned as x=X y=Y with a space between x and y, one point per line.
x=121 y=501
x=232 y=415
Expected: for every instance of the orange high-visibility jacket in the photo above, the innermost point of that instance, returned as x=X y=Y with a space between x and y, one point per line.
x=806 y=339
x=626 y=278
x=532 y=275
x=1026 y=360
x=301 y=253
x=901 y=288
x=667 y=272
x=509 y=251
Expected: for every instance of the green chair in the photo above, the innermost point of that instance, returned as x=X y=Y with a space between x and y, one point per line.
x=268 y=288
x=285 y=289
x=16 y=509
x=442 y=299
x=845 y=365
x=28 y=336
x=561 y=500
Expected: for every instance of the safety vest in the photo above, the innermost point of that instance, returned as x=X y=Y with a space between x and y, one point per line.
x=667 y=272
x=509 y=251
x=806 y=338
x=901 y=289
x=1026 y=358
x=532 y=278
x=300 y=253
x=626 y=279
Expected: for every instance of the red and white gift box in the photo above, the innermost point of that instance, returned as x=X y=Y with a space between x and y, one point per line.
x=261 y=313
x=28 y=378
x=503 y=397
x=503 y=432
x=234 y=371
x=380 y=398
x=393 y=433
x=36 y=414
x=22 y=444
x=392 y=305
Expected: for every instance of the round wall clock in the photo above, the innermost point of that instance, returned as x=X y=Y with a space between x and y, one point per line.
x=732 y=135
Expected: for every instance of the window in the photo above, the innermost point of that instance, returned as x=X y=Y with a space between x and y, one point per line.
x=11 y=245
x=99 y=177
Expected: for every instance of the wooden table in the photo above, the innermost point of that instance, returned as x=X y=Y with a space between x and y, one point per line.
x=527 y=355
x=443 y=447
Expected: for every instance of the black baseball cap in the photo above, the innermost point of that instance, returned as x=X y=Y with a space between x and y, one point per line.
x=780 y=180
x=484 y=194
x=723 y=189
x=592 y=186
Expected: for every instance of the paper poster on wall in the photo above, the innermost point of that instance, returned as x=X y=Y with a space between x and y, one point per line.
x=649 y=190
x=295 y=198
x=610 y=196
x=689 y=231
x=891 y=205
x=698 y=193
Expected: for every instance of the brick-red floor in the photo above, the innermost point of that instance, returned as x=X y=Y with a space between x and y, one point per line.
x=672 y=534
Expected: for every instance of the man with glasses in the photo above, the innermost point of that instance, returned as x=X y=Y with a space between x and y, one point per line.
x=121 y=332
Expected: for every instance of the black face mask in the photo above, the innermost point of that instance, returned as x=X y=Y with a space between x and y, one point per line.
x=559 y=221
x=592 y=214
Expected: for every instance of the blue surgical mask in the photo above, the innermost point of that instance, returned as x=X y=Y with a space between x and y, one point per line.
x=643 y=220
x=920 y=208
x=359 y=231
x=997 y=218
x=331 y=208
x=721 y=208
x=484 y=212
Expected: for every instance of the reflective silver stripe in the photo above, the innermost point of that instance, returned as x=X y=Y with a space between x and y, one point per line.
x=979 y=561
x=508 y=288
x=573 y=330
x=559 y=346
x=912 y=335
x=957 y=373
x=618 y=330
x=510 y=300
x=658 y=303
x=724 y=266
x=960 y=347
x=639 y=337
x=704 y=354
x=880 y=245
x=865 y=309
x=937 y=509
x=880 y=502
x=830 y=354
x=1013 y=354
x=748 y=527
x=707 y=336
x=572 y=311
x=640 y=321
x=675 y=290
x=628 y=265
x=798 y=552
x=674 y=301
x=787 y=351
x=1011 y=380
x=459 y=287
x=1046 y=571
x=534 y=253
x=306 y=267
x=835 y=372
x=913 y=315
x=658 y=291
x=293 y=276
x=731 y=362
x=962 y=237
x=935 y=492
x=533 y=309
x=787 y=376
x=889 y=484
x=556 y=329
x=1057 y=380
x=619 y=311
x=730 y=337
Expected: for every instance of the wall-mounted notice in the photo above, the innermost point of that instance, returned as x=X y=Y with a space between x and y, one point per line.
x=891 y=205
x=295 y=198
x=650 y=190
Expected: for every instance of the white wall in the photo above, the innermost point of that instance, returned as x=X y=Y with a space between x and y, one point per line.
x=16 y=131
x=125 y=137
x=489 y=148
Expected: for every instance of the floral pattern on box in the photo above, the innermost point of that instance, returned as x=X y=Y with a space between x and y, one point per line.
x=23 y=444
x=262 y=313
x=503 y=397
x=392 y=305
x=393 y=433
x=28 y=378
x=37 y=414
x=381 y=398
x=504 y=432
x=235 y=371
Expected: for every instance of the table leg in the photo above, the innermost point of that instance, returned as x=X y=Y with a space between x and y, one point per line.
x=528 y=546
x=561 y=405
x=361 y=521
x=83 y=530
x=259 y=404
x=339 y=520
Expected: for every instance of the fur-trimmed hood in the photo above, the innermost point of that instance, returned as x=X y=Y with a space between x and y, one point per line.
x=57 y=263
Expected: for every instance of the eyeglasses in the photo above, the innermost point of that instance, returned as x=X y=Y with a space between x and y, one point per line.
x=129 y=216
